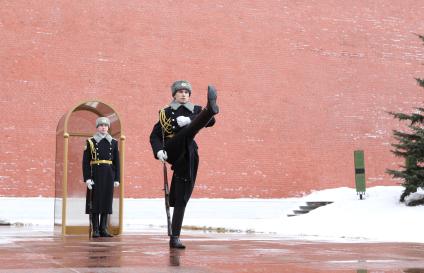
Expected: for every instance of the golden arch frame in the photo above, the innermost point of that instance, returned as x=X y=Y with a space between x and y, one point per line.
x=64 y=133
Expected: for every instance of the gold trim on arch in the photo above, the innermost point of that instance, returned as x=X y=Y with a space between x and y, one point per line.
x=84 y=102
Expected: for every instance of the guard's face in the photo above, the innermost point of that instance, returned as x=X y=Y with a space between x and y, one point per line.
x=102 y=128
x=182 y=96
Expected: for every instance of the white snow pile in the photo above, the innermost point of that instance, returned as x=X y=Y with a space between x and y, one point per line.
x=378 y=217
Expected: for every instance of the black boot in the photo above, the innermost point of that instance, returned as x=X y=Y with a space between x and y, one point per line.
x=211 y=105
x=175 y=242
x=203 y=118
x=95 y=225
x=103 y=226
x=177 y=222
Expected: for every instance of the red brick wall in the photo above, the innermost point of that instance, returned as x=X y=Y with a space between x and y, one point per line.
x=302 y=84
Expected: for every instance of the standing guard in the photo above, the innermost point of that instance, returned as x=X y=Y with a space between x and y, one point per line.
x=100 y=167
x=172 y=140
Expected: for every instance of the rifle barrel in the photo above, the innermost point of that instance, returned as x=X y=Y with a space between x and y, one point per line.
x=166 y=189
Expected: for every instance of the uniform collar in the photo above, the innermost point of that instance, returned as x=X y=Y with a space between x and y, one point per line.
x=98 y=137
x=175 y=105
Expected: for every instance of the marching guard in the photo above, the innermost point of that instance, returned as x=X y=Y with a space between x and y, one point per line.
x=172 y=141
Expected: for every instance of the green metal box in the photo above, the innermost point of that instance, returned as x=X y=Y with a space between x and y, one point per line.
x=359 y=172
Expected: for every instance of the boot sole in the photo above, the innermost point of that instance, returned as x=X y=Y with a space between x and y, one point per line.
x=177 y=247
x=212 y=96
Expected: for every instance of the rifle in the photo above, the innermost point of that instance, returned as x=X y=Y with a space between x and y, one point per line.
x=90 y=208
x=165 y=126
x=166 y=189
x=90 y=194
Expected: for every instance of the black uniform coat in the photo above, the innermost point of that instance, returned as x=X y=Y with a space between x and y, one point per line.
x=103 y=175
x=182 y=154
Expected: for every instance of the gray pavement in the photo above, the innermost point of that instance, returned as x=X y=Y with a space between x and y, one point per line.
x=29 y=249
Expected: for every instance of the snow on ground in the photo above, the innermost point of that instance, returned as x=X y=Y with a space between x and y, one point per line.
x=378 y=217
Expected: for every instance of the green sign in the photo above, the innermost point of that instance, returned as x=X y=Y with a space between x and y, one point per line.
x=359 y=172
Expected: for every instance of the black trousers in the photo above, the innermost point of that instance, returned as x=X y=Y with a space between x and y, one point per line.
x=177 y=220
x=182 y=154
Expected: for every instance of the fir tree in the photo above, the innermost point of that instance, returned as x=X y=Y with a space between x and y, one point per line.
x=410 y=146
